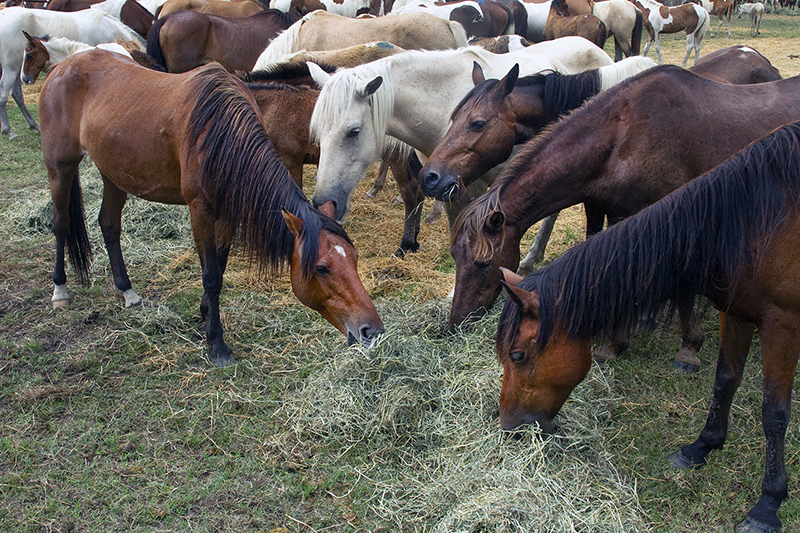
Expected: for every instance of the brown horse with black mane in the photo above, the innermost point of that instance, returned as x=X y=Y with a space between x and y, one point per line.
x=560 y=23
x=184 y=40
x=193 y=139
x=732 y=235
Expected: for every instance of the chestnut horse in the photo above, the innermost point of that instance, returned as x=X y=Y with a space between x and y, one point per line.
x=732 y=235
x=658 y=18
x=561 y=24
x=184 y=40
x=199 y=143
x=627 y=150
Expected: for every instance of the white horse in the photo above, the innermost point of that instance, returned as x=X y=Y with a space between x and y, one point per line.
x=91 y=26
x=57 y=50
x=689 y=17
x=756 y=11
x=409 y=96
x=537 y=18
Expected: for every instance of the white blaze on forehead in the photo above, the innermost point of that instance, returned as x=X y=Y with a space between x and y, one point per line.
x=340 y=250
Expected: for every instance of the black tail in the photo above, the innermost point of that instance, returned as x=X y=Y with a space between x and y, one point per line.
x=636 y=36
x=78 y=246
x=154 y=44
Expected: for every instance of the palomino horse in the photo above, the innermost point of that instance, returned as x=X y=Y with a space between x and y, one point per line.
x=132 y=14
x=184 y=40
x=41 y=54
x=91 y=26
x=359 y=108
x=756 y=12
x=561 y=24
x=209 y=152
x=722 y=9
x=222 y=8
x=627 y=150
x=689 y=17
x=480 y=19
x=732 y=235
x=320 y=30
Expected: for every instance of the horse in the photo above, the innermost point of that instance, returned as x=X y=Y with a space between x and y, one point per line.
x=627 y=150
x=320 y=30
x=350 y=56
x=91 y=26
x=625 y=22
x=345 y=8
x=480 y=18
x=561 y=24
x=221 y=8
x=200 y=143
x=41 y=54
x=132 y=13
x=737 y=65
x=732 y=235
x=184 y=40
x=359 y=108
x=722 y=9
x=658 y=18
x=501 y=44
x=756 y=12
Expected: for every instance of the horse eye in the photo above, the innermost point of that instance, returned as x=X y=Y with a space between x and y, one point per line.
x=517 y=357
x=353 y=133
x=323 y=271
x=477 y=125
x=483 y=264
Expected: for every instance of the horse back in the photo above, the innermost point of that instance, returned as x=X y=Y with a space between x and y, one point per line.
x=737 y=65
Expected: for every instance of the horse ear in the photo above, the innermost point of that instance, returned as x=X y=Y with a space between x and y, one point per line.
x=494 y=221
x=317 y=74
x=527 y=300
x=510 y=277
x=508 y=83
x=477 y=74
x=327 y=209
x=295 y=223
x=462 y=193
x=370 y=87
x=27 y=36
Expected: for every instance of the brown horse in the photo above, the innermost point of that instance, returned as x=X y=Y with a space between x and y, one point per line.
x=193 y=139
x=132 y=14
x=628 y=147
x=222 y=8
x=736 y=64
x=561 y=24
x=732 y=235
x=184 y=40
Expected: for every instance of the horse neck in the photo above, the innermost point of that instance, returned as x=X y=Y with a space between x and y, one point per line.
x=60 y=50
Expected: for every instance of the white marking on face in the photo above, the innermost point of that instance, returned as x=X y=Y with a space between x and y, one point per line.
x=340 y=250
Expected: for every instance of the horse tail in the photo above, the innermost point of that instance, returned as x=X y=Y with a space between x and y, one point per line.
x=636 y=35
x=154 y=43
x=157 y=14
x=79 y=248
x=705 y=23
x=459 y=34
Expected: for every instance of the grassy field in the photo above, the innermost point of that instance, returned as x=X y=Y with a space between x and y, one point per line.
x=113 y=420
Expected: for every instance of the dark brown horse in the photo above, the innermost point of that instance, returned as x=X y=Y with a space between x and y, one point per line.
x=222 y=8
x=184 y=40
x=561 y=24
x=132 y=14
x=193 y=139
x=732 y=235
x=627 y=148
x=736 y=64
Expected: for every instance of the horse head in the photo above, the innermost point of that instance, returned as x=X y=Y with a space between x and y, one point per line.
x=349 y=131
x=35 y=58
x=334 y=289
x=480 y=137
x=537 y=378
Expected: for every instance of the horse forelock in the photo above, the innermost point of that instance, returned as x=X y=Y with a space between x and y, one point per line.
x=469 y=223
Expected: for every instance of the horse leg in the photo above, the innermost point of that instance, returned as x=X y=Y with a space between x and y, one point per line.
x=61 y=183
x=689 y=47
x=686 y=360
x=658 y=49
x=735 y=339
x=380 y=180
x=6 y=85
x=536 y=253
x=16 y=93
x=110 y=220
x=618 y=54
x=405 y=171
x=436 y=212
x=780 y=344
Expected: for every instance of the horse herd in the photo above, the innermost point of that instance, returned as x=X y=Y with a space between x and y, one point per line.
x=700 y=193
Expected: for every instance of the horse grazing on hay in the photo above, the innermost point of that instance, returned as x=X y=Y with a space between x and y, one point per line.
x=91 y=26
x=756 y=12
x=732 y=235
x=200 y=143
x=320 y=30
x=658 y=18
x=624 y=161
x=184 y=40
x=561 y=24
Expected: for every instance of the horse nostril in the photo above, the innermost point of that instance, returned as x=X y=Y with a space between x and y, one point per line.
x=430 y=179
x=369 y=332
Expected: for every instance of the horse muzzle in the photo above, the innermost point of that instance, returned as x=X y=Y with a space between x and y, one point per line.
x=367 y=334
x=438 y=184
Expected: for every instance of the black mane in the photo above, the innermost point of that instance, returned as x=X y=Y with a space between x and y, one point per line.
x=285 y=72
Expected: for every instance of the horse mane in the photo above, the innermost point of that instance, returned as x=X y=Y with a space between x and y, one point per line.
x=244 y=180
x=560 y=7
x=112 y=8
x=283 y=44
x=286 y=71
x=700 y=239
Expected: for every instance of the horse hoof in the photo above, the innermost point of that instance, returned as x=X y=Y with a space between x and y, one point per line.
x=222 y=360
x=60 y=297
x=372 y=193
x=129 y=298
x=681 y=462
x=604 y=354
x=685 y=368
x=12 y=135
x=751 y=525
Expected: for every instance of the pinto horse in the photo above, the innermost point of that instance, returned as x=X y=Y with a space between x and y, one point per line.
x=658 y=18
x=480 y=18
x=200 y=143
x=732 y=235
x=627 y=150
x=132 y=14
x=184 y=40
x=91 y=26
x=561 y=24
x=723 y=9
